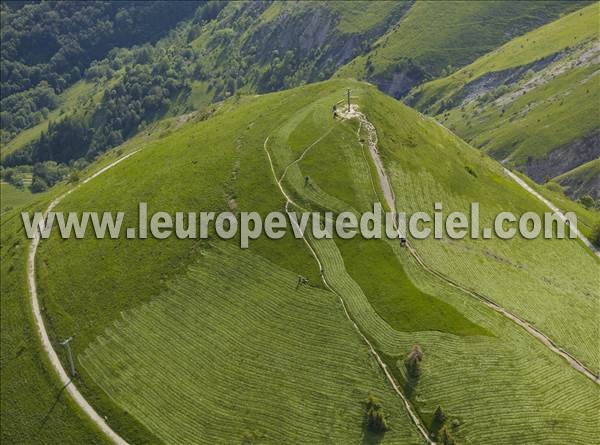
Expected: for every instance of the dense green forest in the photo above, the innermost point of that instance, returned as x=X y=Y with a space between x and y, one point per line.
x=47 y=46
x=79 y=78
x=218 y=51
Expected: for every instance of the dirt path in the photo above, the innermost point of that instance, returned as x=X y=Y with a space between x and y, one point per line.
x=391 y=201
x=552 y=207
x=41 y=328
x=413 y=416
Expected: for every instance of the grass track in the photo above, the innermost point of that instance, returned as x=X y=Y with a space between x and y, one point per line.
x=487 y=363
x=506 y=379
x=281 y=364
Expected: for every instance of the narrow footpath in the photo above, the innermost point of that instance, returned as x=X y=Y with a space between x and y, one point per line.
x=390 y=198
x=64 y=378
x=409 y=409
x=552 y=207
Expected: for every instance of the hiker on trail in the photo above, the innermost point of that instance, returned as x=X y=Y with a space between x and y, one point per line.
x=334 y=111
x=305 y=181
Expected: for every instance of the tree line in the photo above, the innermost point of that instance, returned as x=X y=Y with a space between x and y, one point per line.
x=46 y=46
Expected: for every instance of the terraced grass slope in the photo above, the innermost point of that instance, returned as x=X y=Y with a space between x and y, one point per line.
x=435 y=39
x=224 y=159
x=143 y=308
x=453 y=173
x=34 y=407
x=531 y=103
x=464 y=370
x=240 y=355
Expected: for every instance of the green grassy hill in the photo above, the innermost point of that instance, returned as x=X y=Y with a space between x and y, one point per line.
x=179 y=334
x=12 y=196
x=434 y=39
x=197 y=341
x=532 y=102
x=34 y=408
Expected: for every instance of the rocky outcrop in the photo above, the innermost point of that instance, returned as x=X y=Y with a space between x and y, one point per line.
x=318 y=46
x=490 y=81
x=399 y=79
x=564 y=158
x=576 y=186
x=584 y=180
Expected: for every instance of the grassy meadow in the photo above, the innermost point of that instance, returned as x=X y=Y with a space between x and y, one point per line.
x=237 y=354
x=220 y=164
x=467 y=327
x=549 y=105
x=438 y=38
x=11 y=197
x=35 y=409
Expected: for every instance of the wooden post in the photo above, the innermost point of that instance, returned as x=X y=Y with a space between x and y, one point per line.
x=67 y=345
x=348 y=91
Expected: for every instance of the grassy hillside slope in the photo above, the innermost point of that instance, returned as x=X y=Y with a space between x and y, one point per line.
x=220 y=154
x=11 y=196
x=411 y=138
x=245 y=357
x=34 y=408
x=532 y=102
x=455 y=174
x=436 y=38
x=143 y=318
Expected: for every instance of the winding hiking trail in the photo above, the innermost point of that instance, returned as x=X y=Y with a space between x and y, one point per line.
x=552 y=207
x=413 y=416
x=390 y=198
x=41 y=327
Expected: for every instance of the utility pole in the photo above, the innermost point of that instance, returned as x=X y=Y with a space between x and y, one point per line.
x=67 y=345
x=348 y=91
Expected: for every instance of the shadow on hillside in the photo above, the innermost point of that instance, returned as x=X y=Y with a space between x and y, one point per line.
x=371 y=438
x=49 y=413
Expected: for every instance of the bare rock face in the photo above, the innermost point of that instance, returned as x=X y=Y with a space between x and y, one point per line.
x=575 y=187
x=400 y=79
x=312 y=35
x=488 y=82
x=564 y=158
